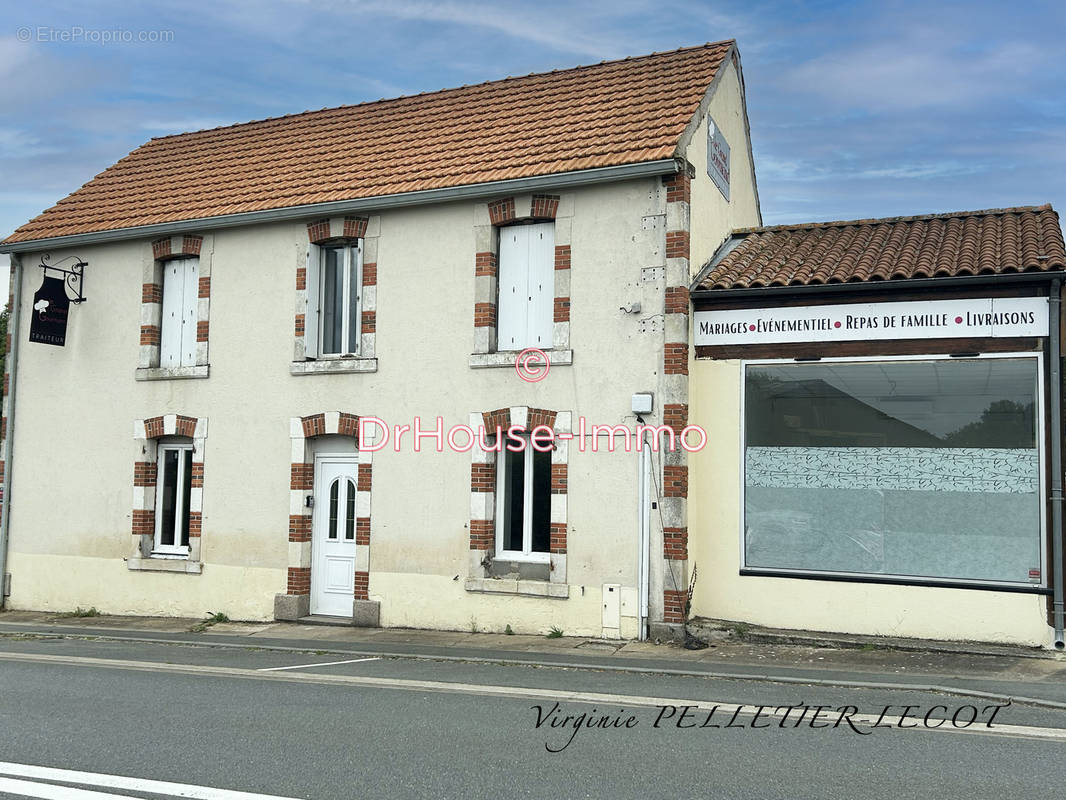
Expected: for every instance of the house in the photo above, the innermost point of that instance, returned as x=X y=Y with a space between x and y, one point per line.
x=288 y=388
x=883 y=404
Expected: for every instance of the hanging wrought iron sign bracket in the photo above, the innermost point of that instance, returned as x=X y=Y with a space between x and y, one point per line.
x=73 y=277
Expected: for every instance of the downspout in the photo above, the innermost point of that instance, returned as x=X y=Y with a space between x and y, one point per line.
x=9 y=440
x=644 y=510
x=1057 y=610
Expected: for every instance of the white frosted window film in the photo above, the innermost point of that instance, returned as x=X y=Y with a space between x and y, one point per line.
x=921 y=469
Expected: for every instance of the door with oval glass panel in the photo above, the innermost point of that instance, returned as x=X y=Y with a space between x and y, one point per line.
x=333 y=536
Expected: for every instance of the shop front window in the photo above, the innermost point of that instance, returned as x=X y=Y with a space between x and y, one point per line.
x=923 y=469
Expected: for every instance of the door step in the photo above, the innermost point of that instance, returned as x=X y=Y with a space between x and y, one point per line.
x=322 y=619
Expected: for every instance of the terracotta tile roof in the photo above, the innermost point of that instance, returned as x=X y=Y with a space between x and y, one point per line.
x=607 y=114
x=997 y=241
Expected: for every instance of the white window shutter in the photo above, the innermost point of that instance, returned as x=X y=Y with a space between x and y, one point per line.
x=189 y=309
x=170 y=338
x=511 y=311
x=355 y=320
x=541 y=285
x=313 y=281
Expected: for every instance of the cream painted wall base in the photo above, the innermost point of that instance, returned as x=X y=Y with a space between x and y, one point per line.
x=242 y=593
x=877 y=610
x=429 y=602
x=438 y=602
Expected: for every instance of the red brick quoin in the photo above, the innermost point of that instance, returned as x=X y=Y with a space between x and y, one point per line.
x=164 y=248
x=674 y=605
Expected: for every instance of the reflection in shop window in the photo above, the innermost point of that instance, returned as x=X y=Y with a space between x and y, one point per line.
x=910 y=469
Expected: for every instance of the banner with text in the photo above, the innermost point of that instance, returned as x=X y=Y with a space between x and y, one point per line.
x=921 y=319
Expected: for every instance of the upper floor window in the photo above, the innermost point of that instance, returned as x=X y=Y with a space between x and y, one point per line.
x=334 y=302
x=178 y=325
x=527 y=286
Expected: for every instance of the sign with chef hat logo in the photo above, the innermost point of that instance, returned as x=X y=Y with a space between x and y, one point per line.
x=48 y=321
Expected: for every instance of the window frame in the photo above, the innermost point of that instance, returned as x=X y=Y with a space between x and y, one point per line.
x=526 y=553
x=348 y=512
x=866 y=577
x=546 y=318
x=185 y=337
x=348 y=247
x=181 y=531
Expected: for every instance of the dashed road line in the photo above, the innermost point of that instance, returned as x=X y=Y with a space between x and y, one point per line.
x=308 y=666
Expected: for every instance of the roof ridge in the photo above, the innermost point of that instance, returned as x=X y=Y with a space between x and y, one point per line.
x=446 y=90
x=806 y=226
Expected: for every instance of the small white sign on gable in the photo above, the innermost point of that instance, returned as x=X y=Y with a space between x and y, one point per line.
x=717 y=157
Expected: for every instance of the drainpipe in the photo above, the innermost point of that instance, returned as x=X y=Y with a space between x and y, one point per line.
x=1057 y=610
x=644 y=510
x=12 y=371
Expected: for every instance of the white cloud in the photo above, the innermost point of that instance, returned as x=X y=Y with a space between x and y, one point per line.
x=936 y=169
x=560 y=28
x=923 y=69
x=17 y=143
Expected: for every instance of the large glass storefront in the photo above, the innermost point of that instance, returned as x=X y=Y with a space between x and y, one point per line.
x=899 y=469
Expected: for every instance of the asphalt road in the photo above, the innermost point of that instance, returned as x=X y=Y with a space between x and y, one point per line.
x=297 y=725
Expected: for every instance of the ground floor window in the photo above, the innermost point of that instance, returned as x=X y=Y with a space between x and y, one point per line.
x=523 y=503
x=174 y=463
x=908 y=468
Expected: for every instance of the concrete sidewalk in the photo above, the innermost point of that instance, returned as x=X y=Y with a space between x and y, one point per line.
x=1021 y=674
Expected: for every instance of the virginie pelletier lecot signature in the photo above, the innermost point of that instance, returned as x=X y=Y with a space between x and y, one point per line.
x=721 y=716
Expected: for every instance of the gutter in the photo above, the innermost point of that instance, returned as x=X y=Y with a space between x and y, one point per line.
x=1055 y=336
x=556 y=180
x=9 y=441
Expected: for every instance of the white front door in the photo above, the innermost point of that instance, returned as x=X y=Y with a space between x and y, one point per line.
x=333 y=536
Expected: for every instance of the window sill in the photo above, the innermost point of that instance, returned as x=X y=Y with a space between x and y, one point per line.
x=508 y=358
x=182 y=565
x=890 y=580
x=330 y=365
x=528 y=588
x=171 y=373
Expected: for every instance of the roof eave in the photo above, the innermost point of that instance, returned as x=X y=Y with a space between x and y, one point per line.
x=942 y=282
x=557 y=180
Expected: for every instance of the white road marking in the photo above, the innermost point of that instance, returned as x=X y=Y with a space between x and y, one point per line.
x=49 y=791
x=104 y=781
x=562 y=695
x=308 y=666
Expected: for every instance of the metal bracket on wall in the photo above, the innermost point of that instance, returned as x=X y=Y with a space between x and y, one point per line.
x=652 y=274
x=652 y=324
x=74 y=276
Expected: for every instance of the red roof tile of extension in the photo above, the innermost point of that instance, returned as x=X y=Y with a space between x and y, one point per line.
x=608 y=114
x=966 y=243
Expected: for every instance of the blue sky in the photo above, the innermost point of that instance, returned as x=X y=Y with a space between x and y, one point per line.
x=857 y=109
